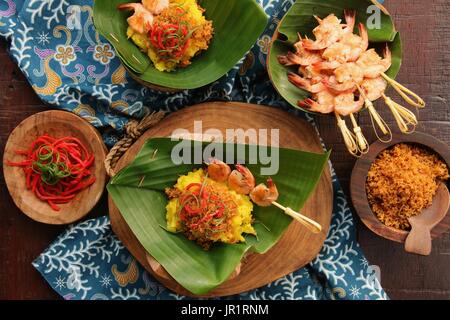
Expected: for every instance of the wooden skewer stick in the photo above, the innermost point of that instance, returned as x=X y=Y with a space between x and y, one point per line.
x=348 y=136
x=406 y=120
x=405 y=93
x=376 y=119
x=363 y=145
x=312 y=225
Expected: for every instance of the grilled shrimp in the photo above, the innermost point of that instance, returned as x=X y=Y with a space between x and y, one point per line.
x=241 y=180
x=345 y=78
x=264 y=195
x=304 y=59
x=373 y=65
x=345 y=104
x=155 y=6
x=218 y=170
x=330 y=31
x=348 y=49
x=309 y=72
x=141 y=20
x=327 y=32
x=374 y=88
x=357 y=44
x=305 y=84
x=323 y=102
x=336 y=53
x=302 y=56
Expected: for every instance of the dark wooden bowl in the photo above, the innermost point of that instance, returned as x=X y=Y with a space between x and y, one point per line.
x=359 y=177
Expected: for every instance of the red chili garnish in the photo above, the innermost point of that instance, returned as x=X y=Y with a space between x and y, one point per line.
x=56 y=169
x=169 y=39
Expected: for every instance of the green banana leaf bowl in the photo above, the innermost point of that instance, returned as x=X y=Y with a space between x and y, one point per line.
x=142 y=201
x=237 y=25
x=300 y=20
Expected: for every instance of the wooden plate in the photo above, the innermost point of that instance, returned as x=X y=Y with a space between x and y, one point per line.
x=58 y=124
x=296 y=248
x=359 y=177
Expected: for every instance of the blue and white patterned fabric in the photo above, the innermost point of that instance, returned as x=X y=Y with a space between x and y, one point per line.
x=71 y=67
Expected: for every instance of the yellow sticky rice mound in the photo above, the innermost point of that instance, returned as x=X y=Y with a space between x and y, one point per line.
x=199 y=40
x=237 y=222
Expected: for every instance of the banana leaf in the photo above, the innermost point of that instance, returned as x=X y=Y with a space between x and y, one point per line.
x=300 y=19
x=142 y=203
x=237 y=25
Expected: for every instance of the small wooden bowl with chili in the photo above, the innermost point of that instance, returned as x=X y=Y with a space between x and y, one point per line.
x=359 y=177
x=83 y=195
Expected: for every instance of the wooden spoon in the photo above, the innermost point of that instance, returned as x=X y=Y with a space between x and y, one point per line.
x=419 y=238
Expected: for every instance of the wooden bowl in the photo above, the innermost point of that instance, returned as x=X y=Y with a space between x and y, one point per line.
x=359 y=177
x=58 y=124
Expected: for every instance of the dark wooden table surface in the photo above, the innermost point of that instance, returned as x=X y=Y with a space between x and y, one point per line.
x=425 y=26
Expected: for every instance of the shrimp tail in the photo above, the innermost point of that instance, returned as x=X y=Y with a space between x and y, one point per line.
x=350 y=19
x=284 y=60
x=364 y=35
x=308 y=44
x=325 y=65
x=298 y=81
x=307 y=103
x=387 y=57
x=127 y=6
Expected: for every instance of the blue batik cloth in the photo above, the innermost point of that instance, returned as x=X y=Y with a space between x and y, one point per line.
x=72 y=68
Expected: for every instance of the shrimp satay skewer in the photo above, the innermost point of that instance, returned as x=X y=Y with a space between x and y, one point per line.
x=345 y=78
x=302 y=56
x=371 y=90
x=374 y=66
x=218 y=170
x=330 y=30
x=155 y=6
x=345 y=105
x=242 y=181
x=266 y=195
x=348 y=49
x=322 y=102
x=141 y=20
x=306 y=84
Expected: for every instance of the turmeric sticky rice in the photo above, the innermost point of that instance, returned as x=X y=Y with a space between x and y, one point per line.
x=207 y=211
x=402 y=181
x=175 y=36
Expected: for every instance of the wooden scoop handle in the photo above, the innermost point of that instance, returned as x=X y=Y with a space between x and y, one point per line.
x=419 y=240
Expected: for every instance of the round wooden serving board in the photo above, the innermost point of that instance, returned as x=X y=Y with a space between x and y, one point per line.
x=296 y=248
x=57 y=124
